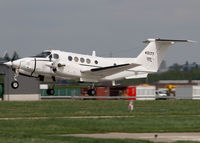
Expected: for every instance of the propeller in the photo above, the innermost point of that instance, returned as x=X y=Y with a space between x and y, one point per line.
x=54 y=64
x=10 y=60
x=15 y=56
x=6 y=56
x=50 y=57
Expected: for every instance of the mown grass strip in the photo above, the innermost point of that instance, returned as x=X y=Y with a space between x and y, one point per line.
x=43 y=130
x=97 y=108
x=71 y=126
x=149 y=116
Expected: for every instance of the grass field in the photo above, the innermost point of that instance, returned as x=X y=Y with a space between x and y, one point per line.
x=148 y=116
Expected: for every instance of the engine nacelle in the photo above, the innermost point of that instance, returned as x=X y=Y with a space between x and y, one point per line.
x=27 y=65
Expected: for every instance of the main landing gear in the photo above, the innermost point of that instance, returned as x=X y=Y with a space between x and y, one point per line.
x=91 y=91
x=15 y=83
x=51 y=90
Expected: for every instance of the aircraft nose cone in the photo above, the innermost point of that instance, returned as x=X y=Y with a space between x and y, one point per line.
x=13 y=64
x=8 y=63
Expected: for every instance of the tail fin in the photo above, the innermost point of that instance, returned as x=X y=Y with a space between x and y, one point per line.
x=151 y=57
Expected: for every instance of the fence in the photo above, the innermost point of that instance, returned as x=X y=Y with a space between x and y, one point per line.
x=106 y=97
x=62 y=92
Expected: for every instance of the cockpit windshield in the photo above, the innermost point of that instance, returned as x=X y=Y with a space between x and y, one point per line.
x=43 y=55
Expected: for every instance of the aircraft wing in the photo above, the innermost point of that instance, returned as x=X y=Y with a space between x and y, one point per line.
x=107 y=71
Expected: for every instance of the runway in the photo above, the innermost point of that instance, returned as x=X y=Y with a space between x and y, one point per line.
x=160 y=137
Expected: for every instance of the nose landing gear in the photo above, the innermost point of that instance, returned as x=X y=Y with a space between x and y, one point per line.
x=51 y=91
x=15 y=83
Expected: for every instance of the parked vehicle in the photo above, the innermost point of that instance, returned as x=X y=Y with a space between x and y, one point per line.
x=162 y=93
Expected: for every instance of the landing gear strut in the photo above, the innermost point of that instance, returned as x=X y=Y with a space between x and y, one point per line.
x=15 y=83
x=51 y=90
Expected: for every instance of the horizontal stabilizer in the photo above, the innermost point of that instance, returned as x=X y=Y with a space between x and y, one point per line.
x=166 y=40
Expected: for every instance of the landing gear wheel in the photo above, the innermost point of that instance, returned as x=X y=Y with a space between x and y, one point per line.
x=15 y=84
x=92 y=92
x=50 y=91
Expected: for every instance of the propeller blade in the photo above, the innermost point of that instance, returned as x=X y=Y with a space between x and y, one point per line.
x=15 y=56
x=6 y=56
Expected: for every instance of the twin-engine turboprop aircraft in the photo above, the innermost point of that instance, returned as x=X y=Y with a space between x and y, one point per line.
x=53 y=64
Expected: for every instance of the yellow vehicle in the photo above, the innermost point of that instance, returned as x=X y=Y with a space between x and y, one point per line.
x=171 y=89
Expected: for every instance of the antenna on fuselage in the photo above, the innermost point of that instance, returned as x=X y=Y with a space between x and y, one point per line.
x=94 y=53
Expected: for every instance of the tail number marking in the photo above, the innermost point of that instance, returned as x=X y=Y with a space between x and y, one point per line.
x=149 y=53
x=149 y=59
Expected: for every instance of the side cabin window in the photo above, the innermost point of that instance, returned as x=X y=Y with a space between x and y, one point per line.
x=96 y=62
x=76 y=59
x=55 y=56
x=82 y=60
x=88 y=61
x=70 y=58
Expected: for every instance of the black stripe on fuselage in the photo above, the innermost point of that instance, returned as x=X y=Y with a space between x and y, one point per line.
x=110 y=67
x=34 y=67
x=26 y=75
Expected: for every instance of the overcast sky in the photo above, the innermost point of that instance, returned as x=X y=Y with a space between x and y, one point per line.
x=110 y=27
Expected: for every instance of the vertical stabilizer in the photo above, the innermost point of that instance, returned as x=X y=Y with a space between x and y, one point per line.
x=151 y=57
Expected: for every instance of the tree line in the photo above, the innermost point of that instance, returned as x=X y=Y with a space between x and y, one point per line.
x=193 y=74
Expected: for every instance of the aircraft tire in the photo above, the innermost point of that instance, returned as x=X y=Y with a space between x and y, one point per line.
x=50 y=91
x=91 y=92
x=15 y=84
